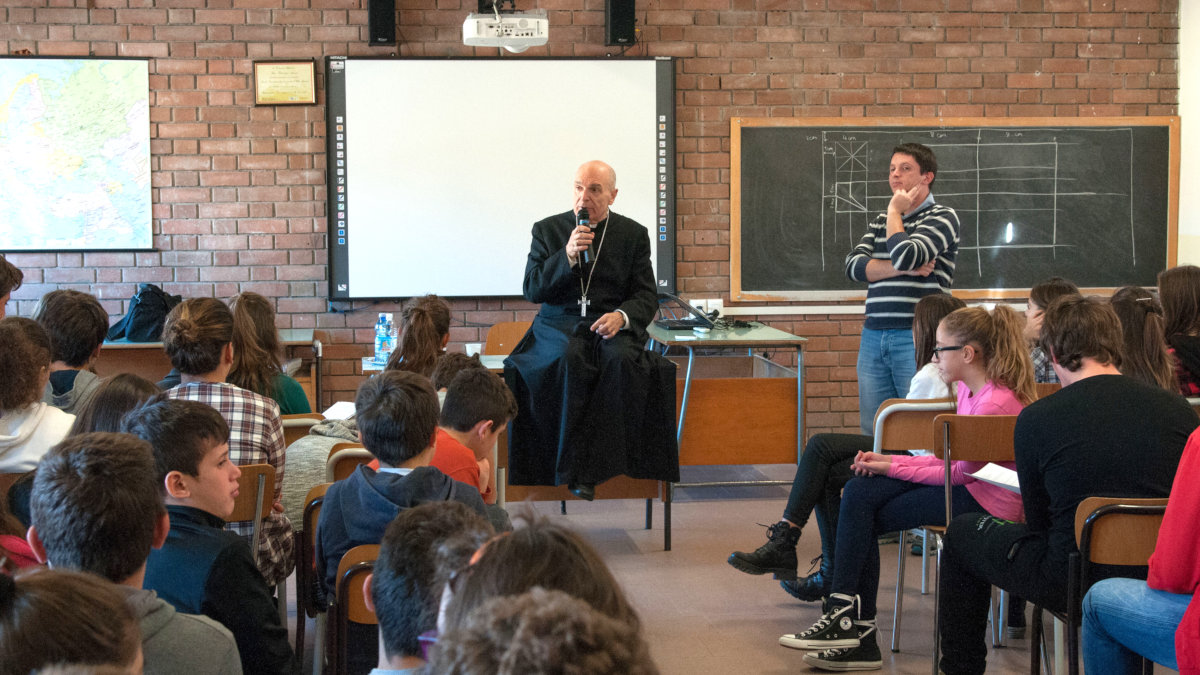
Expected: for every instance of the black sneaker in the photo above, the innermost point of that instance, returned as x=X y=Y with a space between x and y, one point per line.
x=837 y=628
x=777 y=556
x=865 y=656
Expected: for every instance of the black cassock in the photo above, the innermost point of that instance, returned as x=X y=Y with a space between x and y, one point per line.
x=590 y=409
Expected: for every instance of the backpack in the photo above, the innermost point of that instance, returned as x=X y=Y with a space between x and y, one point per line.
x=148 y=310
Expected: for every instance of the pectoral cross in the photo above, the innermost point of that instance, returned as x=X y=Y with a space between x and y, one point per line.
x=583 y=303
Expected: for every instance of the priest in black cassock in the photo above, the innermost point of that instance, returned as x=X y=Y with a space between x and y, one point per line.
x=592 y=402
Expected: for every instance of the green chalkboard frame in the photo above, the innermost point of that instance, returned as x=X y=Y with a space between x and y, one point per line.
x=742 y=281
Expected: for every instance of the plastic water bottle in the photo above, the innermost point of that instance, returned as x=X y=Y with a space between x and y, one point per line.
x=383 y=338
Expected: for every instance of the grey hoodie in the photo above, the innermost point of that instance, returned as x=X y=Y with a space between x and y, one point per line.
x=72 y=399
x=174 y=643
x=305 y=461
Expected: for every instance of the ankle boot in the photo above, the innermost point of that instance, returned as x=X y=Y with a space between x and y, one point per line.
x=777 y=556
x=816 y=585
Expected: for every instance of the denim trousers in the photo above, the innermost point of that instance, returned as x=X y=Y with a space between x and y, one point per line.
x=823 y=470
x=887 y=361
x=1125 y=620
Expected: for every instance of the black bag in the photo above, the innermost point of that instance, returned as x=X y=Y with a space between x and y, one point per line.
x=148 y=310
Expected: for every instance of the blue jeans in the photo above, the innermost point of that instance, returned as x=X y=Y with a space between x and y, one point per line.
x=875 y=505
x=1124 y=620
x=887 y=361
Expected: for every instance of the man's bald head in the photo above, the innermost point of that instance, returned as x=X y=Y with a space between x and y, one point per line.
x=595 y=188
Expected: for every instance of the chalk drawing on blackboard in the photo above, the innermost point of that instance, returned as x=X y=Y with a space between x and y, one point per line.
x=1009 y=186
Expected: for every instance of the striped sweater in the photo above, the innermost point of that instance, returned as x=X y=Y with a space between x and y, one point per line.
x=930 y=233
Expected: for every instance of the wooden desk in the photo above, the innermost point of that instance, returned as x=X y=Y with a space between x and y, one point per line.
x=746 y=411
x=149 y=360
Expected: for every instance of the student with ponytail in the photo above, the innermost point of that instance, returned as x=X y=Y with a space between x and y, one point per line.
x=986 y=354
x=1179 y=291
x=1143 y=332
x=424 y=332
x=256 y=354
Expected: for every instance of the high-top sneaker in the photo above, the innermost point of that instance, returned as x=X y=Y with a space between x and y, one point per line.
x=837 y=628
x=865 y=656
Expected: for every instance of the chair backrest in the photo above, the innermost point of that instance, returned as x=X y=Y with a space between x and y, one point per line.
x=972 y=438
x=338 y=447
x=256 y=494
x=296 y=426
x=341 y=464
x=306 y=546
x=503 y=336
x=348 y=605
x=1118 y=530
x=1044 y=389
x=903 y=424
x=1195 y=401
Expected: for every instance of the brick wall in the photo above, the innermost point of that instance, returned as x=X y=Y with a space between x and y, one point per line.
x=239 y=190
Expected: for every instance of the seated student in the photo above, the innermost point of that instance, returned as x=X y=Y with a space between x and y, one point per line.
x=478 y=408
x=15 y=553
x=986 y=354
x=448 y=366
x=49 y=617
x=1040 y=297
x=28 y=427
x=1145 y=356
x=542 y=632
x=77 y=326
x=10 y=280
x=1102 y=434
x=256 y=354
x=198 y=337
x=403 y=590
x=203 y=568
x=824 y=468
x=1179 y=291
x=1125 y=619
x=114 y=397
x=397 y=419
x=97 y=507
x=424 y=332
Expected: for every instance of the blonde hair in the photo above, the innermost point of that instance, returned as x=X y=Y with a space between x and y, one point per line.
x=998 y=336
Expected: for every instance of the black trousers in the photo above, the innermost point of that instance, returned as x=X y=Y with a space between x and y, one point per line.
x=980 y=552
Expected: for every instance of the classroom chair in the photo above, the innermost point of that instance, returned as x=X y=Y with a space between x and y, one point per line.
x=348 y=604
x=902 y=425
x=1108 y=531
x=970 y=438
x=307 y=605
x=503 y=336
x=1044 y=389
x=256 y=494
x=296 y=426
x=343 y=461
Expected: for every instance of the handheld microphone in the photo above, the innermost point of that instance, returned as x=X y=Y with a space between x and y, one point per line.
x=585 y=257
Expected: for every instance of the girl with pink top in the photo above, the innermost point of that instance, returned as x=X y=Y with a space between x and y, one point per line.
x=986 y=355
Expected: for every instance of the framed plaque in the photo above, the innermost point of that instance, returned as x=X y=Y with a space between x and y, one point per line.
x=285 y=83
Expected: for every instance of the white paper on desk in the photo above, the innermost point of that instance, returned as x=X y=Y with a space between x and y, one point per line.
x=341 y=410
x=998 y=475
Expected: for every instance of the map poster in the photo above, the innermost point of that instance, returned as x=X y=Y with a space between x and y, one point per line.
x=75 y=138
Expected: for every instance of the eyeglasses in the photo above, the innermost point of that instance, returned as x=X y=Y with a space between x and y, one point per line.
x=937 y=351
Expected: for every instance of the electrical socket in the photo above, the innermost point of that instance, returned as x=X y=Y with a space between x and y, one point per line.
x=716 y=304
x=473 y=348
x=701 y=305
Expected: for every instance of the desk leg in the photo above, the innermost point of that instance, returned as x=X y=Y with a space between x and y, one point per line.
x=799 y=403
x=669 y=493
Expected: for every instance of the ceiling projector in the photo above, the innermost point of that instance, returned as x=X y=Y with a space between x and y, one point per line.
x=514 y=31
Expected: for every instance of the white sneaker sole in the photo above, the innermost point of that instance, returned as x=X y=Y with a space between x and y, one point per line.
x=794 y=641
x=813 y=660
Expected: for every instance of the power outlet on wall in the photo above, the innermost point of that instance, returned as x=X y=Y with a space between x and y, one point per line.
x=716 y=305
x=701 y=305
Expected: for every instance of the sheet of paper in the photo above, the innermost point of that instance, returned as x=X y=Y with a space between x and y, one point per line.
x=340 y=410
x=998 y=475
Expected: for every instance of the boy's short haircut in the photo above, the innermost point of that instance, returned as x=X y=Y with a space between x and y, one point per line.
x=475 y=396
x=397 y=414
x=405 y=588
x=451 y=364
x=926 y=160
x=10 y=276
x=76 y=324
x=194 y=334
x=1050 y=290
x=181 y=433
x=25 y=352
x=1075 y=327
x=95 y=504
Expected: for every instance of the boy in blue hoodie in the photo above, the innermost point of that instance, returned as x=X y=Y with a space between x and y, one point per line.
x=397 y=414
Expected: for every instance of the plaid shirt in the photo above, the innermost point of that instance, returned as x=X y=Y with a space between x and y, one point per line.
x=1043 y=367
x=255 y=437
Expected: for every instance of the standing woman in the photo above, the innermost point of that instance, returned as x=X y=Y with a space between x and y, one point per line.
x=256 y=352
x=1143 y=333
x=424 y=333
x=1179 y=290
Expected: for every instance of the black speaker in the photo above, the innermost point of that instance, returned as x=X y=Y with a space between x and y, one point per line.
x=381 y=21
x=619 y=22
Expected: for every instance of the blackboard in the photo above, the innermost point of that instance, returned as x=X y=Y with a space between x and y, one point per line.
x=1094 y=200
